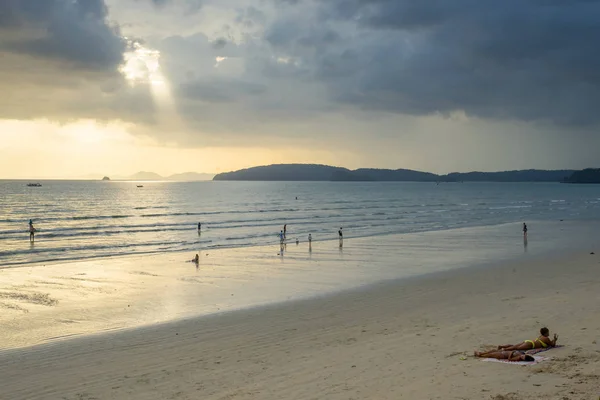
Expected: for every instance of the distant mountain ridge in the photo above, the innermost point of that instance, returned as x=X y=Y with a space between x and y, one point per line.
x=588 y=175
x=145 y=176
x=317 y=172
x=152 y=176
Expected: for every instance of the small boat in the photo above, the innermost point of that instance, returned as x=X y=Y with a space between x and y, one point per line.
x=34 y=184
x=140 y=185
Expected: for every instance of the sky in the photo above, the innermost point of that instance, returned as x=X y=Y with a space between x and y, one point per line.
x=112 y=87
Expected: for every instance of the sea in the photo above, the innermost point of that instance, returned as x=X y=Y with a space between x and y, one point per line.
x=79 y=220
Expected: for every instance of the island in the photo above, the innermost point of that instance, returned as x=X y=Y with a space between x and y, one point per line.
x=106 y=178
x=318 y=172
x=588 y=175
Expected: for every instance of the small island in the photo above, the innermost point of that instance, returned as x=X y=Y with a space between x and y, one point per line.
x=106 y=178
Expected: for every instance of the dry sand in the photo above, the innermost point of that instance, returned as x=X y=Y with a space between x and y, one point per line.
x=396 y=340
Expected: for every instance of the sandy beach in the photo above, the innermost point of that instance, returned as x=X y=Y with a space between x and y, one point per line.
x=404 y=338
x=46 y=303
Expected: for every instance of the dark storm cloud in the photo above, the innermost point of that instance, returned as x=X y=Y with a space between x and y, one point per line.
x=220 y=91
x=76 y=32
x=191 y=6
x=219 y=44
x=250 y=17
x=61 y=61
x=289 y=32
x=249 y=66
x=528 y=60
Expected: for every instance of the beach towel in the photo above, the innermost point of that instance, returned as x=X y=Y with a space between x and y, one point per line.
x=535 y=351
x=538 y=359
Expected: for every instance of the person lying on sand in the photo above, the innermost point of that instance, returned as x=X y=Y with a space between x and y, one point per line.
x=541 y=342
x=510 y=355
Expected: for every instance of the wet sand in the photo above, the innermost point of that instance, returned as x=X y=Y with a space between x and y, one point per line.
x=45 y=303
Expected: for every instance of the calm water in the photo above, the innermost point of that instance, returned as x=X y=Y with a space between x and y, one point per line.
x=84 y=219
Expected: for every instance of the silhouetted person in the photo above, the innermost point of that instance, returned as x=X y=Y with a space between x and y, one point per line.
x=341 y=234
x=309 y=238
x=31 y=231
x=524 y=229
x=199 y=226
x=285 y=231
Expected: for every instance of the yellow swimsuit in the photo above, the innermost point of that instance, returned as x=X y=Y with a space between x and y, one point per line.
x=544 y=345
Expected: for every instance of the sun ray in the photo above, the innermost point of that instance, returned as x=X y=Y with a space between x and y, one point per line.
x=142 y=67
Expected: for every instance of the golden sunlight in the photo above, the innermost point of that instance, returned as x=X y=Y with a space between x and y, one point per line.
x=142 y=66
x=88 y=149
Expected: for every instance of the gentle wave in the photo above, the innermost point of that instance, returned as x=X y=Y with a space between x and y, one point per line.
x=122 y=220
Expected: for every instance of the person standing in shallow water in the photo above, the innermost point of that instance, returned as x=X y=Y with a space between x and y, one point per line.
x=199 y=226
x=341 y=235
x=524 y=230
x=285 y=231
x=31 y=231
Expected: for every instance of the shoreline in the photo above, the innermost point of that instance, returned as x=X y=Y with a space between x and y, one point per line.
x=395 y=339
x=41 y=304
x=53 y=262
